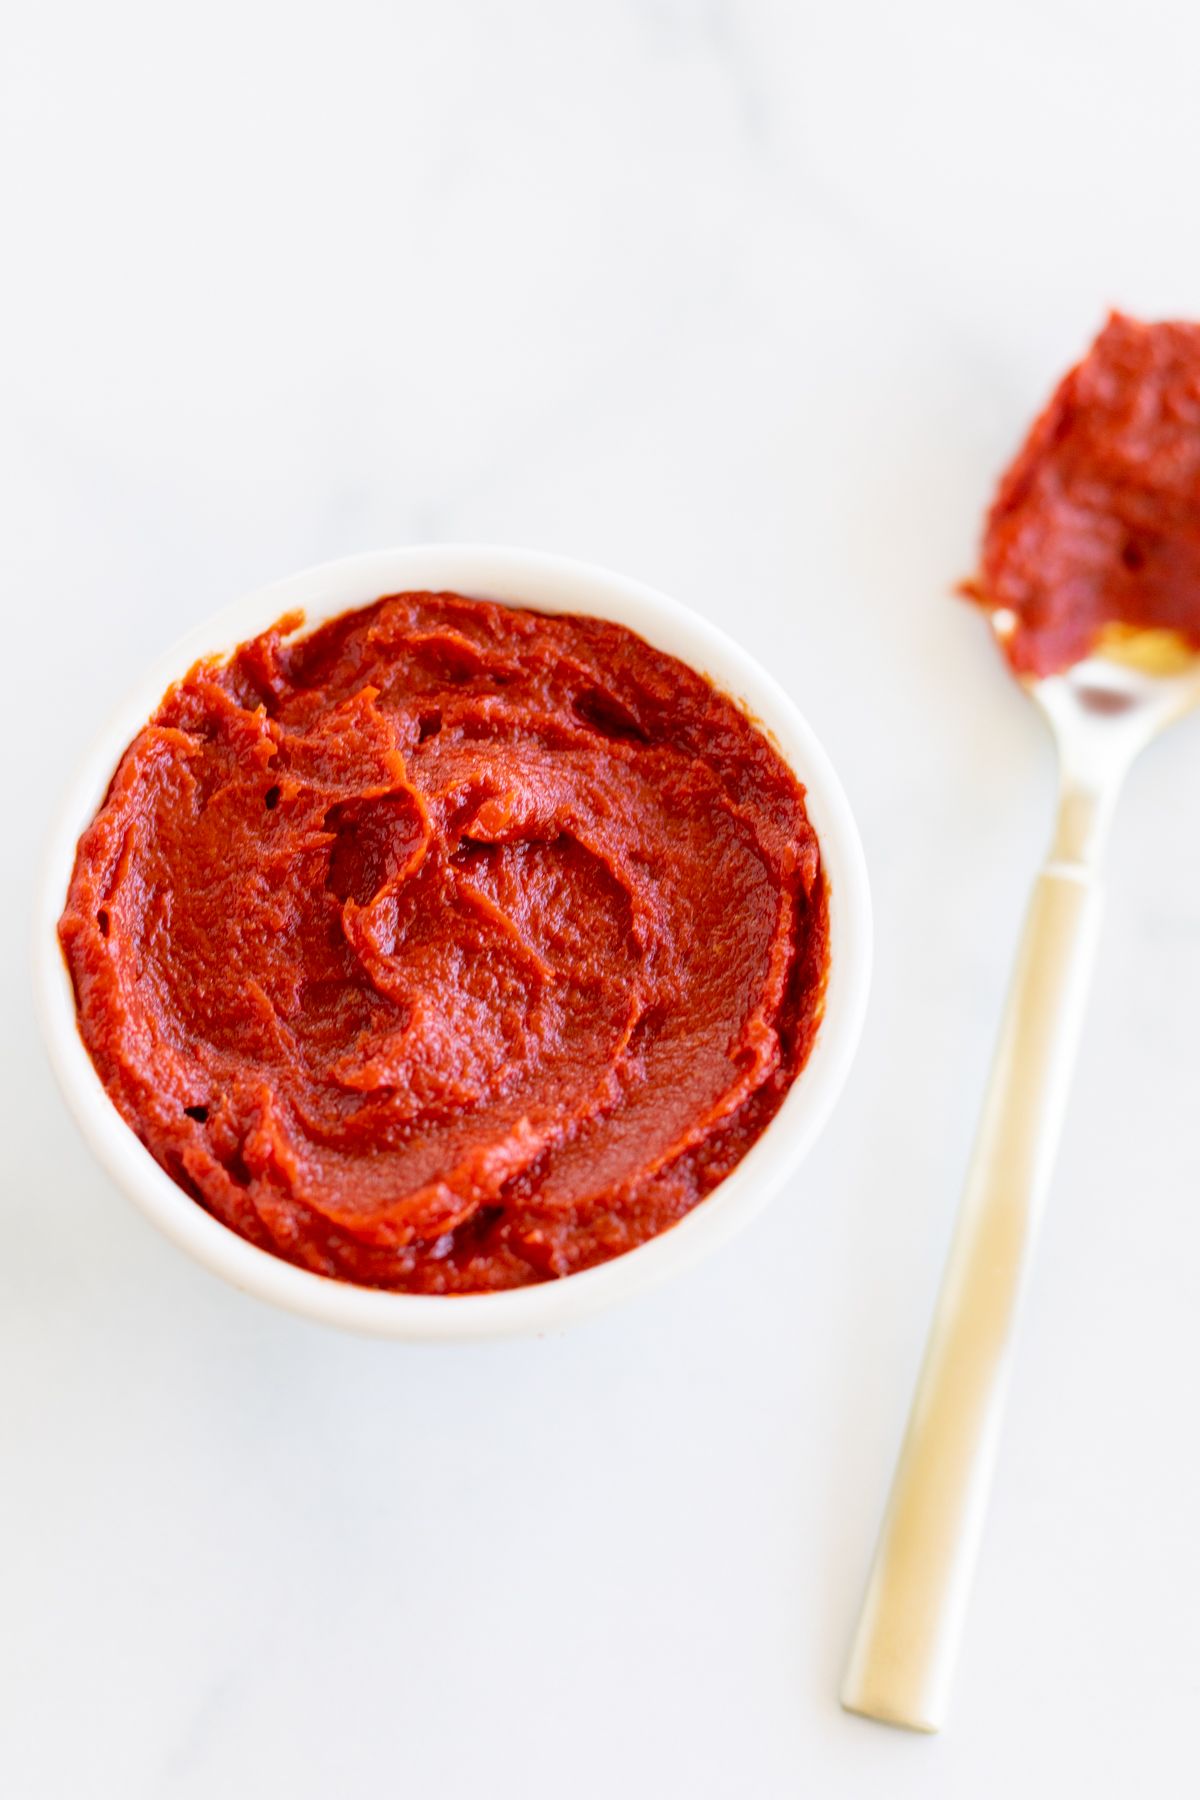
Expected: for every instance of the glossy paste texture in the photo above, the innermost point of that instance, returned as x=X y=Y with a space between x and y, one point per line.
x=451 y=947
x=1097 y=522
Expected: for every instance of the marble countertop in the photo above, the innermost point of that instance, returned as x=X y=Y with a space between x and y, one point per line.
x=751 y=301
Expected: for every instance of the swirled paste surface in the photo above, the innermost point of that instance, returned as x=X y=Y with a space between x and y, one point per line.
x=451 y=947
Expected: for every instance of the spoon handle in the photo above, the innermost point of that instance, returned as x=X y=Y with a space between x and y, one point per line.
x=902 y=1662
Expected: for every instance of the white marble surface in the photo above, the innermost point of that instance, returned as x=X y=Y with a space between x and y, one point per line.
x=750 y=300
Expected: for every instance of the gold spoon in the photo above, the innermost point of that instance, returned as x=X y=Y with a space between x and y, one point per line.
x=1102 y=711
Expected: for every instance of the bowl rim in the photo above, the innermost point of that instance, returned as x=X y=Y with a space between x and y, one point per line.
x=547 y=583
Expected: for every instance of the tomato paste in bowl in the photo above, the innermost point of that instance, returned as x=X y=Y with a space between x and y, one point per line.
x=449 y=947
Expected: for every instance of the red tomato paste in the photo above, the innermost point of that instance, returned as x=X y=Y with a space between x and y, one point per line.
x=1097 y=522
x=451 y=947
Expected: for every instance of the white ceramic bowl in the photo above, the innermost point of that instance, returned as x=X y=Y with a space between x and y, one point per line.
x=550 y=584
